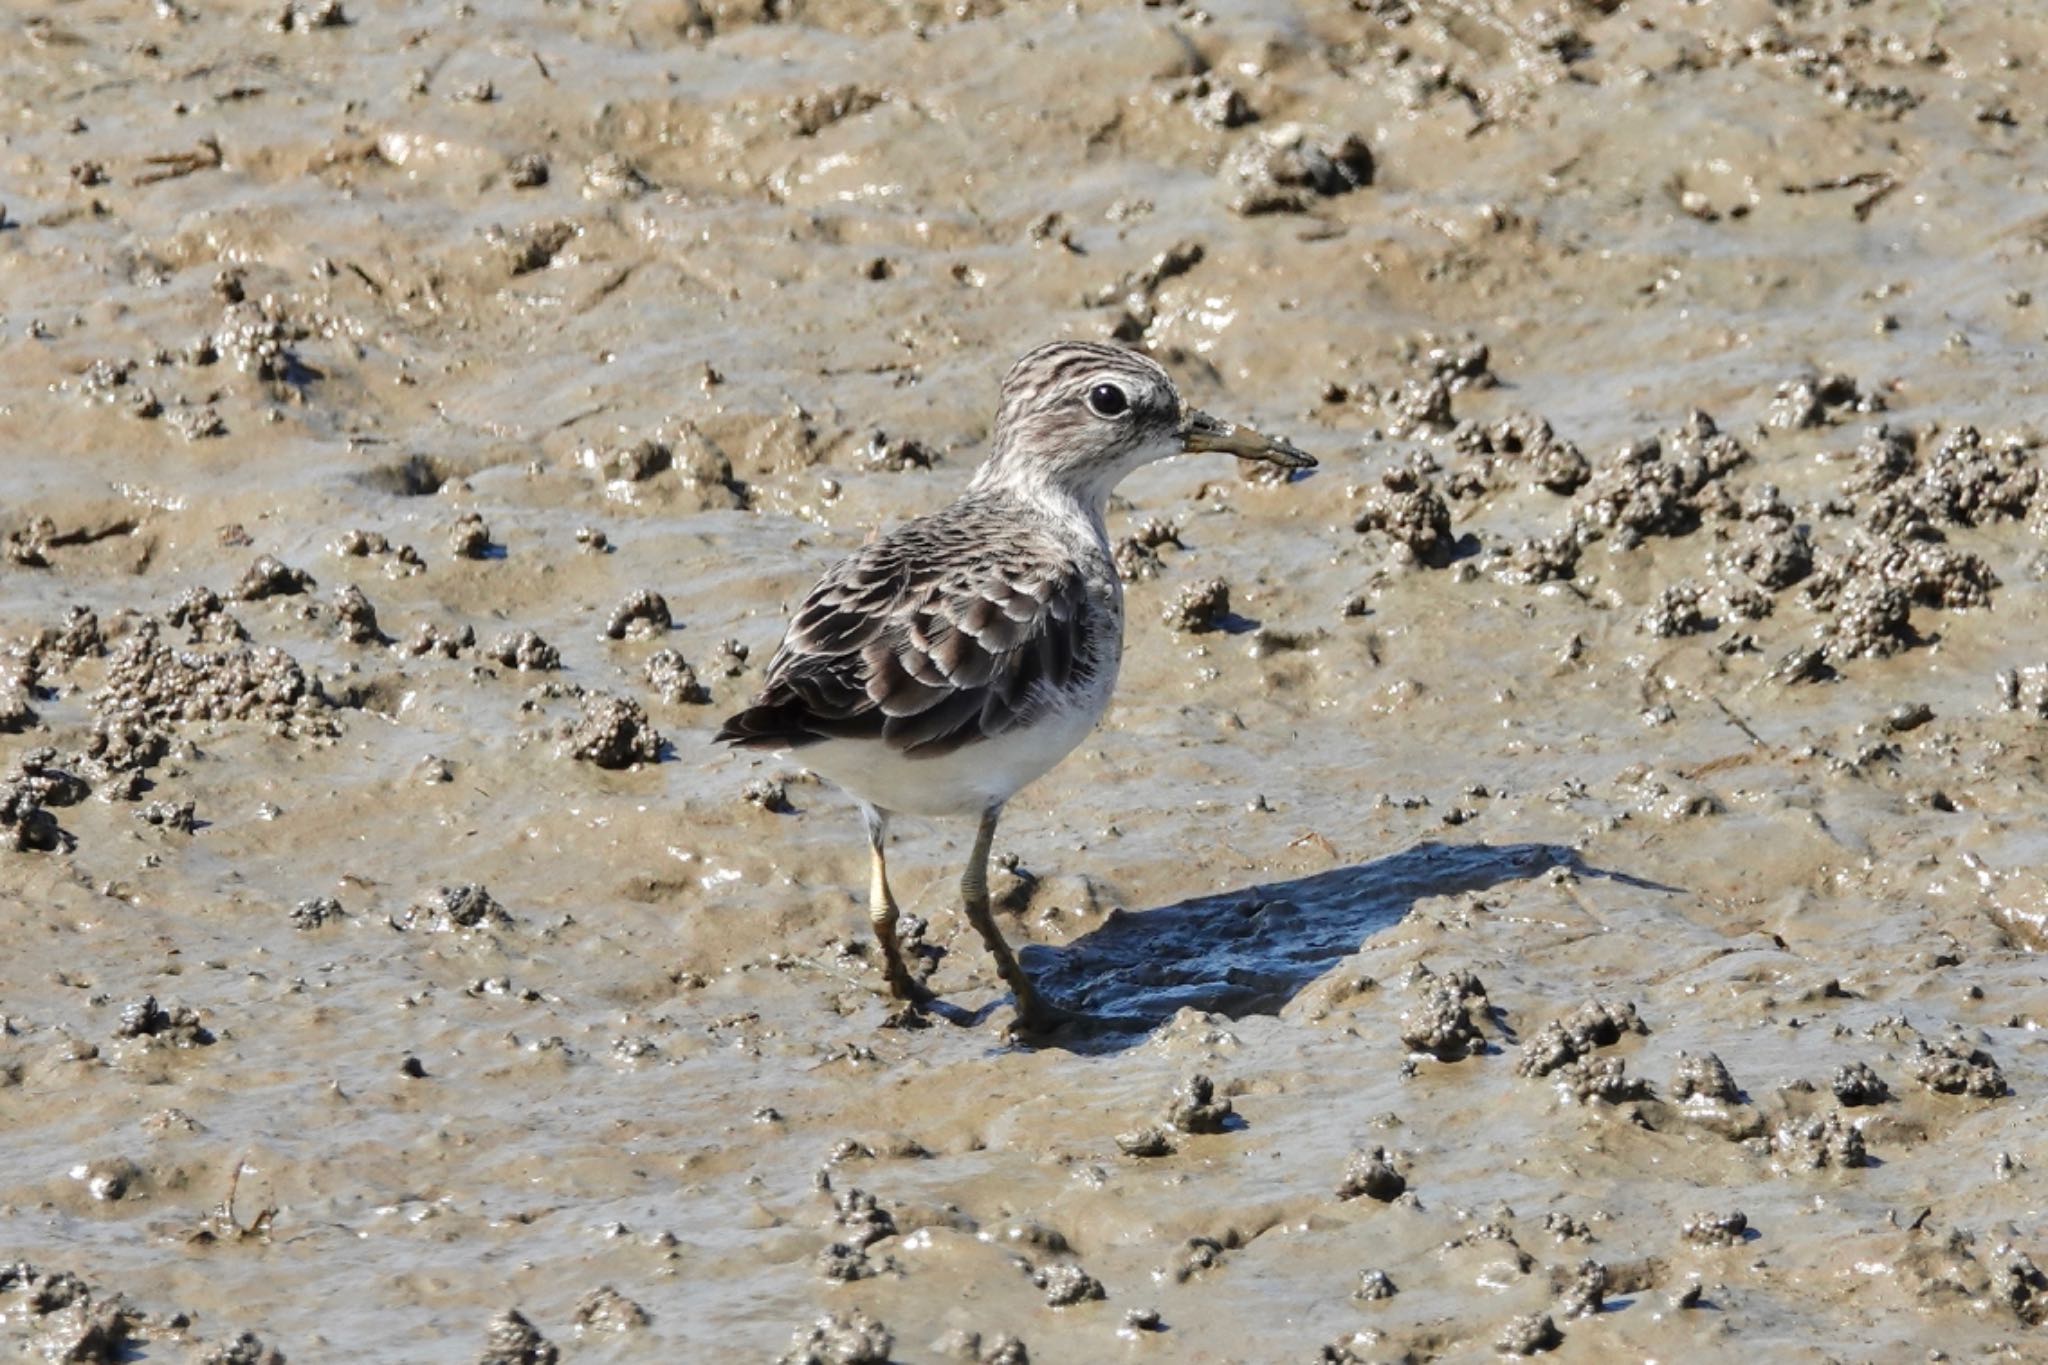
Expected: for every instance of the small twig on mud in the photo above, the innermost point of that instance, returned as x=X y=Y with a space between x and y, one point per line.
x=222 y=1225
x=1882 y=183
x=1739 y=723
x=175 y=164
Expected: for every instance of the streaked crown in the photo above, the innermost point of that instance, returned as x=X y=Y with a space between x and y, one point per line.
x=1079 y=415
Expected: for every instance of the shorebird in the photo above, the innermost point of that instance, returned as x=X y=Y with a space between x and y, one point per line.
x=953 y=661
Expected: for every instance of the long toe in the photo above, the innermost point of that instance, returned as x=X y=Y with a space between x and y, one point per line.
x=910 y=990
x=1038 y=1016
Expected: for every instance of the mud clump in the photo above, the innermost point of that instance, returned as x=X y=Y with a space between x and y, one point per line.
x=843 y=1263
x=1288 y=168
x=1969 y=481
x=810 y=114
x=246 y=1349
x=429 y=638
x=360 y=544
x=1195 y=1108
x=177 y=815
x=1821 y=1143
x=26 y=825
x=1658 y=486
x=1704 y=1077
x=635 y=463
x=1441 y=1022
x=1410 y=512
x=1956 y=1068
x=1928 y=572
x=1855 y=1085
x=1004 y=1349
x=614 y=732
x=512 y=1340
x=1149 y=1141
x=469 y=537
x=525 y=651
x=642 y=615
x=851 y=1338
x=1773 y=550
x=16 y=714
x=452 y=909
x=705 y=468
x=56 y=649
x=862 y=1218
x=1716 y=1229
x=1677 y=612
x=1137 y=554
x=2023 y=689
x=1372 y=1174
x=71 y=1321
x=355 y=616
x=898 y=454
x=527 y=171
x=29 y=546
x=178 y=1026
x=315 y=912
x=1374 y=1286
x=1526 y=444
x=148 y=684
x=1529 y=1336
x=1602 y=1078
x=271 y=577
x=205 y=618
x=1540 y=559
x=768 y=794
x=1587 y=1292
x=2020 y=1285
x=673 y=680
x=1873 y=620
x=1420 y=408
x=1595 y=1024
x=1808 y=400
x=1196 y=1255
x=1198 y=607
x=605 y=1309
x=1067 y=1285
x=95 y=1332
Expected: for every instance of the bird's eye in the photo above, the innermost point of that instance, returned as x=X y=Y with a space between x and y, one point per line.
x=1107 y=400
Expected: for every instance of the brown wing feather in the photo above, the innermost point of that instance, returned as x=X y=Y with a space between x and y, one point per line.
x=952 y=628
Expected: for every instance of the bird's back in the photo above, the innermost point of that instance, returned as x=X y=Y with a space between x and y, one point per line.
x=967 y=624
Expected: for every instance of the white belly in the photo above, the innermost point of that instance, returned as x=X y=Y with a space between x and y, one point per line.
x=965 y=782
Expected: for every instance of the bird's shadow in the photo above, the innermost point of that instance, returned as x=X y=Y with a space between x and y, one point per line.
x=1251 y=951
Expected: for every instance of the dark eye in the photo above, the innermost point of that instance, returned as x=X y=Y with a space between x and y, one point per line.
x=1107 y=400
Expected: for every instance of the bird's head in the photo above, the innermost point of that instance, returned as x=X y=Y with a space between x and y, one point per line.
x=1079 y=416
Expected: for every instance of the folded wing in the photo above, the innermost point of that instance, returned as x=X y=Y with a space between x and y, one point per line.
x=924 y=648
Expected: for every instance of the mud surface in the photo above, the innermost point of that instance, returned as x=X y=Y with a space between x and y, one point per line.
x=1563 y=877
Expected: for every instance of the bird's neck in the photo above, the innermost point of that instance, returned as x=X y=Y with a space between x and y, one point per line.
x=1078 y=511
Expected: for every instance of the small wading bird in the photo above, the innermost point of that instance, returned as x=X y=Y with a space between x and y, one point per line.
x=956 y=659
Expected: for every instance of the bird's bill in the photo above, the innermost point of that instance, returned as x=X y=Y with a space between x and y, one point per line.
x=1201 y=432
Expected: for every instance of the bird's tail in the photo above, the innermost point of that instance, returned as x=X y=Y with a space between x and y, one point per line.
x=766 y=726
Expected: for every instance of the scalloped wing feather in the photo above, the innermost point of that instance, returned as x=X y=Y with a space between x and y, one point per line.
x=947 y=631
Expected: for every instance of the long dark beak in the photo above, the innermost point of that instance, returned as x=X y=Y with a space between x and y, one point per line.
x=1201 y=432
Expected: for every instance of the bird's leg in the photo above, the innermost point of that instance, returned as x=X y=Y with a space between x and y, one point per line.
x=882 y=913
x=1032 y=1009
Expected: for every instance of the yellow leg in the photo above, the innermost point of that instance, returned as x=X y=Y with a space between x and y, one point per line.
x=882 y=914
x=1033 y=1011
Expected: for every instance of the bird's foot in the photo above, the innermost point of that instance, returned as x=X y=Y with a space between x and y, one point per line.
x=1038 y=1016
x=908 y=989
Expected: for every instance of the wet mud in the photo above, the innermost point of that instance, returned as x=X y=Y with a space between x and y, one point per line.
x=1560 y=879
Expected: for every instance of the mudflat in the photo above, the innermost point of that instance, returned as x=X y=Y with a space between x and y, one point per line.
x=1562 y=877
